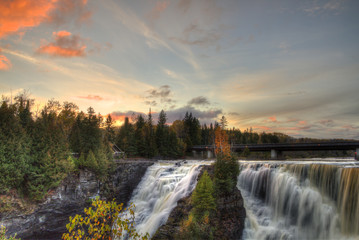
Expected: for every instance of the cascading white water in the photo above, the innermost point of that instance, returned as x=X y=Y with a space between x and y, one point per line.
x=290 y=202
x=159 y=190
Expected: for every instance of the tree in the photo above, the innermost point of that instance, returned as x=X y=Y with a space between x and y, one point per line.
x=161 y=134
x=101 y=221
x=68 y=116
x=221 y=142
x=192 y=130
x=151 y=149
x=110 y=133
x=224 y=122
x=226 y=168
x=140 y=135
x=202 y=197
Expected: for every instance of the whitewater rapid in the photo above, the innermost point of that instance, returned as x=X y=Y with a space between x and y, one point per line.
x=164 y=183
x=313 y=199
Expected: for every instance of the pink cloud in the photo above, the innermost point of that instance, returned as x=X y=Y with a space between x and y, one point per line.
x=65 y=45
x=302 y=122
x=273 y=119
x=92 y=97
x=262 y=128
x=5 y=63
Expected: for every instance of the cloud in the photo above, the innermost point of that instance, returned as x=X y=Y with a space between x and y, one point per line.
x=151 y=103
x=19 y=15
x=65 y=45
x=199 y=101
x=195 y=35
x=350 y=127
x=92 y=97
x=303 y=122
x=5 y=63
x=206 y=116
x=162 y=92
x=328 y=123
x=158 y=9
x=319 y=7
x=272 y=119
x=70 y=11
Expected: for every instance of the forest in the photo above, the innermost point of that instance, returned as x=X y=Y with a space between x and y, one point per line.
x=39 y=148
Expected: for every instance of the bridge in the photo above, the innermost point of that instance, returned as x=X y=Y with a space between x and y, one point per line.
x=276 y=149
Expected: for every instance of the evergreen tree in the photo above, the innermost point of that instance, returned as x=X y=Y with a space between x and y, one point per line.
x=151 y=149
x=91 y=161
x=161 y=135
x=110 y=133
x=202 y=197
x=140 y=136
x=14 y=149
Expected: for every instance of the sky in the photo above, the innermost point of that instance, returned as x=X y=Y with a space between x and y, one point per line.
x=277 y=66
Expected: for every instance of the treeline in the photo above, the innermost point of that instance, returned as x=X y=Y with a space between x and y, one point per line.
x=39 y=148
x=36 y=148
x=142 y=138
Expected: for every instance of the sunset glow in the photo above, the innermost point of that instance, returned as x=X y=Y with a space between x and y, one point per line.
x=276 y=66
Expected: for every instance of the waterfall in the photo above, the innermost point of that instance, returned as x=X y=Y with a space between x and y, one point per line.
x=159 y=190
x=300 y=201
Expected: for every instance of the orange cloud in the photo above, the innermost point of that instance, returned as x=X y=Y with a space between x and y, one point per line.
x=302 y=122
x=17 y=15
x=65 y=45
x=5 y=63
x=273 y=119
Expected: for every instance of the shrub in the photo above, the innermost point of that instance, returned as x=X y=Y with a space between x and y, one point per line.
x=99 y=221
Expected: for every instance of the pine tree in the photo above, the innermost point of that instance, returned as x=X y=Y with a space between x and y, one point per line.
x=140 y=136
x=202 y=197
x=91 y=162
x=161 y=135
x=151 y=149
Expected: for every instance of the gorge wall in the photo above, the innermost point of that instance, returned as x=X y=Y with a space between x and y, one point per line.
x=48 y=219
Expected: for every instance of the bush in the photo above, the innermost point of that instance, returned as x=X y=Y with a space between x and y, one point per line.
x=99 y=220
x=194 y=228
x=3 y=236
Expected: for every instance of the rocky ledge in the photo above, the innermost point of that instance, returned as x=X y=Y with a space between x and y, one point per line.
x=48 y=219
x=228 y=220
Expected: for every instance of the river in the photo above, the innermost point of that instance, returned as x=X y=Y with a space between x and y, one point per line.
x=298 y=199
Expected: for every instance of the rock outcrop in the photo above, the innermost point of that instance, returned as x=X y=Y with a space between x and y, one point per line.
x=49 y=219
x=227 y=221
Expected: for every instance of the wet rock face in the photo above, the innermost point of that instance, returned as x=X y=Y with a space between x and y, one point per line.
x=125 y=179
x=49 y=219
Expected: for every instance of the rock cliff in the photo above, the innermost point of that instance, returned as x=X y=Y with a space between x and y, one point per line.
x=48 y=220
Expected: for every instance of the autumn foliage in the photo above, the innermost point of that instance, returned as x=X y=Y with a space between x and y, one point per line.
x=221 y=142
x=226 y=168
x=102 y=221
